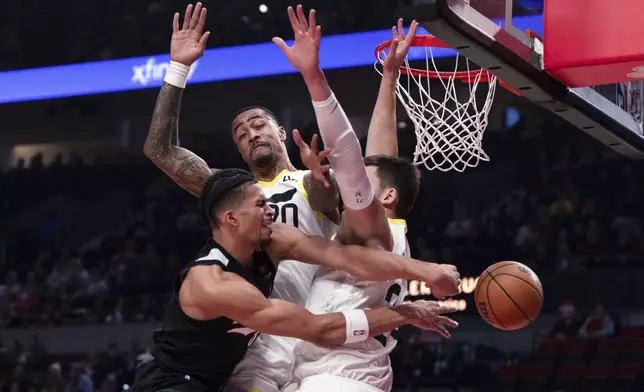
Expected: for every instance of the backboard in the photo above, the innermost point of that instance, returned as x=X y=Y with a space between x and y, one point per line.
x=484 y=32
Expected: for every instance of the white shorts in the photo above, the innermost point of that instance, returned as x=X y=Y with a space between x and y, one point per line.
x=327 y=382
x=364 y=362
x=267 y=366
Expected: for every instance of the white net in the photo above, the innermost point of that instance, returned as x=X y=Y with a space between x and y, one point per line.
x=448 y=121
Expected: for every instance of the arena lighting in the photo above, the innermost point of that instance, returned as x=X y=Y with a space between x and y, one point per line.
x=263 y=8
x=237 y=62
x=417 y=289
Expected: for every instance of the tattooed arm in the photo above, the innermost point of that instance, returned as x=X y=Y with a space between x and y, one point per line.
x=185 y=168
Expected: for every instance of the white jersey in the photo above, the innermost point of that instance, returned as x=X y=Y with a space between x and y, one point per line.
x=336 y=291
x=290 y=201
x=273 y=355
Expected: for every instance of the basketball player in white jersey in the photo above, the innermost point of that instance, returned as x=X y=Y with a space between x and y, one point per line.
x=298 y=198
x=365 y=366
x=364 y=220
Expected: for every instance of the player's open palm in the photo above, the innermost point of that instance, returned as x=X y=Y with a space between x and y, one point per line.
x=400 y=45
x=430 y=315
x=304 y=54
x=189 y=41
x=312 y=157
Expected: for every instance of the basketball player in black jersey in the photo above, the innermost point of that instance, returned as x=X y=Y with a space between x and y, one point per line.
x=219 y=300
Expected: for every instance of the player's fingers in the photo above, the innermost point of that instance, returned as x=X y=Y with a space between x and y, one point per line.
x=201 y=24
x=186 y=17
x=314 y=143
x=412 y=31
x=393 y=32
x=446 y=309
x=442 y=331
x=195 y=16
x=401 y=29
x=293 y=19
x=175 y=23
x=204 y=39
x=446 y=321
x=312 y=24
x=280 y=44
x=297 y=138
x=301 y=18
x=318 y=34
x=324 y=154
x=393 y=48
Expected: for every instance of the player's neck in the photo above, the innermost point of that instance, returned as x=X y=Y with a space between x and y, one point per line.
x=269 y=173
x=235 y=246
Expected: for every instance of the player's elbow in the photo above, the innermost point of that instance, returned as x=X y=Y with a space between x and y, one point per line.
x=149 y=149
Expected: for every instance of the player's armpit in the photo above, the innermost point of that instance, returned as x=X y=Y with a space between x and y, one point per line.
x=184 y=167
x=322 y=198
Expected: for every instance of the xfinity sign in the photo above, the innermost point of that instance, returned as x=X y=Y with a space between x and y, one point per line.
x=228 y=63
x=152 y=71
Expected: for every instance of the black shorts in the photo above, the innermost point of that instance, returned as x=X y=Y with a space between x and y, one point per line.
x=153 y=377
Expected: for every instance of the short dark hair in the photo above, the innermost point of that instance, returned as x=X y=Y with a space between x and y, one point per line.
x=265 y=110
x=399 y=174
x=224 y=189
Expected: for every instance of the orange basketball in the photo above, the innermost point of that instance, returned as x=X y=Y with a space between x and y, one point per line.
x=508 y=295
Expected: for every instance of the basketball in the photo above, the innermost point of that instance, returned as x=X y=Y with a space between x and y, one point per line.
x=508 y=295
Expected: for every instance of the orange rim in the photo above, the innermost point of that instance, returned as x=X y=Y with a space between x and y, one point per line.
x=429 y=41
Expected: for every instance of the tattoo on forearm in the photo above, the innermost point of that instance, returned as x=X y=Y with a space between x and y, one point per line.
x=183 y=166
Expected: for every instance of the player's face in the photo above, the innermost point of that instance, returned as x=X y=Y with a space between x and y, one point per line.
x=254 y=216
x=258 y=138
x=387 y=196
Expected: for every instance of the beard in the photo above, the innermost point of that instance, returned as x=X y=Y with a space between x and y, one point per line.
x=264 y=161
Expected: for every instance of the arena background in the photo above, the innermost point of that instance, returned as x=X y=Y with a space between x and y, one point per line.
x=91 y=233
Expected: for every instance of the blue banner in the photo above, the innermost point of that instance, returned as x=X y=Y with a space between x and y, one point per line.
x=238 y=62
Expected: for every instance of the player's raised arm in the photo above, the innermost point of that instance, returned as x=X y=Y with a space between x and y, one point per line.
x=382 y=138
x=184 y=167
x=364 y=215
x=207 y=293
x=288 y=243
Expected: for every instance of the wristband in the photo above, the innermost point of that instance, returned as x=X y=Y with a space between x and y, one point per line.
x=357 y=325
x=177 y=74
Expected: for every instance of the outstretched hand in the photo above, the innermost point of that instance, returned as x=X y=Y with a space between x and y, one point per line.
x=304 y=54
x=429 y=315
x=189 y=42
x=312 y=158
x=400 y=45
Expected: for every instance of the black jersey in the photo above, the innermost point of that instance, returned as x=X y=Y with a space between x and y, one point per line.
x=193 y=355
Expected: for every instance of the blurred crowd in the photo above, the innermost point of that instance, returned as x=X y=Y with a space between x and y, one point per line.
x=79 y=31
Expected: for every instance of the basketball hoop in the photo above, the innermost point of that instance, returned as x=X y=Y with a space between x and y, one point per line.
x=449 y=132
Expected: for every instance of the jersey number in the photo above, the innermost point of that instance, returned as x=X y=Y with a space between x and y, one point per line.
x=394 y=294
x=288 y=214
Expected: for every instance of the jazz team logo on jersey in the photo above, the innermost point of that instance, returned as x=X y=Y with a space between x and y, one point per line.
x=288 y=178
x=282 y=197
